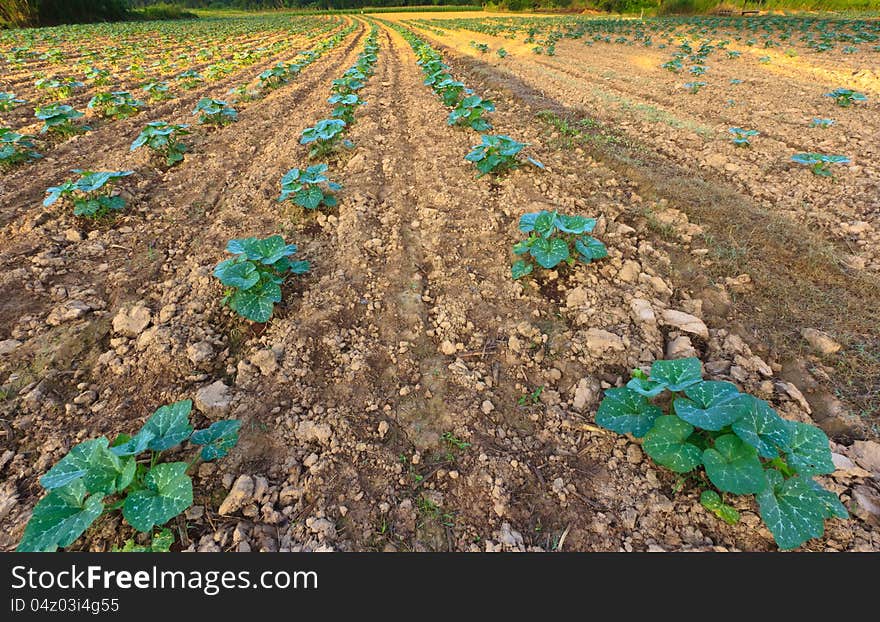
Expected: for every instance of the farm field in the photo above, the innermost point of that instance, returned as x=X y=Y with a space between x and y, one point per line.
x=426 y=370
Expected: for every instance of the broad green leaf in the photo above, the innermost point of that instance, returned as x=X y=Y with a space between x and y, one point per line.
x=809 y=452
x=310 y=198
x=831 y=505
x=267 y=251
x=549 y=253
x=711 y=500
x=217 y=439
x=545 y=224
x=236 y=273
x=590 y=248
x=667 y=444
x=527 y=222
x=626 y=412
x=92 y=462
x=677 y=374
x=167 y=492
x=257 y=303
x=733 y=466
x=169 y=425
x=762 y=428
x=575 y=224
x=712 y=405
x=60 y=518
x=520 y=269
x=791 y=509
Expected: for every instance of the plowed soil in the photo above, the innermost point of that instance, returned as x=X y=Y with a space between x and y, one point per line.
x=407 y=394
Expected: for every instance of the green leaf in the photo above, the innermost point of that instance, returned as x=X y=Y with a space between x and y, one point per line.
x=646 y=387
x=733 y=466
x=92 y=461
x=711 y=500
x=626 y=412
x=168 y=492
x=590 y=248
x=520 y=269
x=217 y=439
x=678 y=374
x=237 y=273
x=527 y=221
x=545 y=224
x=267 y=251
x=60 y=518
x=809 y=452
x=791 y=509
x=309 y=198
x=162 y=541
x=549 y=253
x=712 y=405
x=831 y=505
x=131 y=446
x=666 y=444
x=762 y=428
x=575 y=224
x=257 y=303
x=169 y=425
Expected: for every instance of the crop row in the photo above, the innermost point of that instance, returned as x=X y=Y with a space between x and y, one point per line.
x=253 y=277
x=61 y=120
x=97 y=471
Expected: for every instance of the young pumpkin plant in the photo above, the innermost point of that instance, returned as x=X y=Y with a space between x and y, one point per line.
x=734 y=442
x=819 y=163
x=469 y=113
x=552 y=236
x=163 y=139
x=253 y=278
x=326 y=136
x=90 y=193
x=115 y=105
x=16 y=148
x=97 y=477
x=215 y=112
x=741 y=137
x=8 y=101
x=498 y=154
x=846 y=97
x=58 y=119
x=303 y=187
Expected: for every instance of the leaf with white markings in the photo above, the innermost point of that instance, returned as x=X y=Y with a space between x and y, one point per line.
x=217 y=439
x=169 y=425
x=60 y=518
x=809 y=452
x=762 y=428
x=626 y=412
x=733 y=466
x=711 y=405
x=678 y=374
x=167 y=492
x=667 y=444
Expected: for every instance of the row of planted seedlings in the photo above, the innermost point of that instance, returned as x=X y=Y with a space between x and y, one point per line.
x=253 y=277
x=132 y=473
x=60 y=121
x=722 y=442
x=553 y=239
x=497 y=153
x=91 y=194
